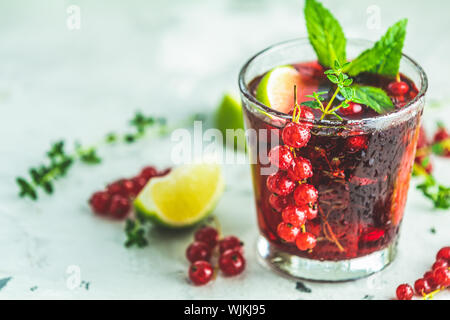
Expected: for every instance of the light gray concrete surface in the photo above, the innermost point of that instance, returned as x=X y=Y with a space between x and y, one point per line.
x=169 y=59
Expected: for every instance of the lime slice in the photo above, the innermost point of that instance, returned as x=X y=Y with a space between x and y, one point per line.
x=183 y=197
x=276 y=89
x=229 y=116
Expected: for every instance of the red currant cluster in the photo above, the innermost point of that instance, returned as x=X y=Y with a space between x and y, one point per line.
x=199 y=253
x=115 y=200
x=433 y=281
x=297 y=202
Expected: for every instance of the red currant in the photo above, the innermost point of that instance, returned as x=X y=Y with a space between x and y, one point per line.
x=356 y=143
x=311 y=211
x=429 y=276
x=278 y=203
x=116 y=188
x=120 y=206
x=281 y=157
x=295 y=135
x=230 y=243
x=129 y=187
x=404 y=292
x=305 y=194
x=200 y=272
x=422 y=287
x=208 y=235
x=305 y=241
x=100 y=202
x=441 y=276
x=306 y=113
x=440 y=135
x=440 y=263
x=231 y=262
x=353 y=109
x=148 y=172
x=198 y=251
x=300 y=169
x=139 y=184
x=294 y=216
x=287 y=231
x=280 y=184
x=398 y=88
x=444 y=253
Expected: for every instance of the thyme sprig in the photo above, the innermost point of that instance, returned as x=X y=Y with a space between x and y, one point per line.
x=343 y=86
x=58 y=161
x=135 y=230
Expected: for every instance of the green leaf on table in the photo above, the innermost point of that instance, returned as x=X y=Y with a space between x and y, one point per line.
x=373 y=97
x=384 y=57
x=325 y=34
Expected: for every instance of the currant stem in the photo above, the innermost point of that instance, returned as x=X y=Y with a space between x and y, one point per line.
x=330 y=103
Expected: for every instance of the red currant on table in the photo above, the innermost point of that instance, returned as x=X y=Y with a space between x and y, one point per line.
x=441 y=276
x=287 y=231
x=208 y=235
x=404 y=292
x=353 y=109
x=422 y=287
x=305 y=241
x=100 y=202
x=116 y=188
x=278 y=203
x=139 y=183
x=148 y=172
x=296 y=135
x=300 y=169
x=231 y=262
x=294 y=215
x=281 y=157
x=200 y=272
x=440 y=263
x=444 y=253
x=356 y=143
x=305 y=194
x=120 y=206
x=129 y=187
x=230 y=243
x=398 y=88
x=440 y=135
x=280 y=184
x=429 y=276
x=198 y=251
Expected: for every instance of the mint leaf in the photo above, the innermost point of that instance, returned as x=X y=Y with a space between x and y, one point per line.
x=384 y=58
x=325 y=34
x=372 y=97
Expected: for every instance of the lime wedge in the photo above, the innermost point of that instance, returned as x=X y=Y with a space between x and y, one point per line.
x=276 y=89
x=183 y=197
x=229 y=116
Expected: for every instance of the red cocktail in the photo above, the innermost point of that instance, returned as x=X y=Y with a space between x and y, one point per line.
x=357 y=164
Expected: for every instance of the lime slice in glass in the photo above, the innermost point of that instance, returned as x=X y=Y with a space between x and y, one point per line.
x=276 y=89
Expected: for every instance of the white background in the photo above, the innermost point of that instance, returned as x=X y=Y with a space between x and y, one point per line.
x=169 y=59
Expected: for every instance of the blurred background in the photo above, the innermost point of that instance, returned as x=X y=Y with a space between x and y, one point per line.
x=77 y=69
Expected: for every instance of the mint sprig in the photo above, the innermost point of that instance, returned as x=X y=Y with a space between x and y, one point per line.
x=384 y=57
x=329 y=42
x=325 y=34
x=373 y=97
